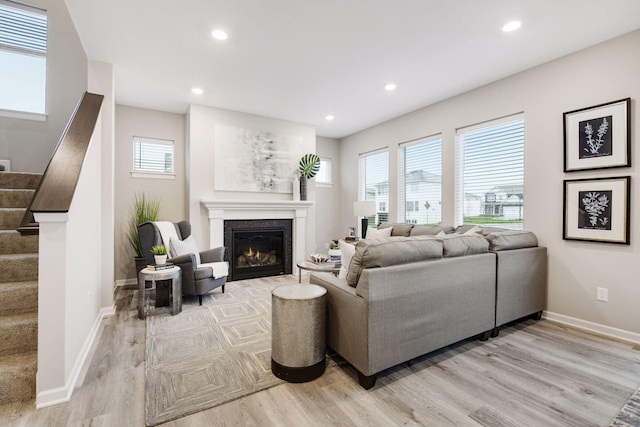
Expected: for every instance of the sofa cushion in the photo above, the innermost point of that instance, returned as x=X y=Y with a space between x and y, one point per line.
x=373 y=233
x=511 y=239
x=430 y=230
x=397 y=228
x=391 y=251
x=347 y=250
x=455 y=245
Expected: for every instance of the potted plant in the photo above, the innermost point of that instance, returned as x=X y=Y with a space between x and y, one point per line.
x=159 y=254
x=144 y=209
x=308 y=167
x=334 y=249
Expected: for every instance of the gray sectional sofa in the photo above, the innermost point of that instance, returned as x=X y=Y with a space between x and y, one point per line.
x=412 y=293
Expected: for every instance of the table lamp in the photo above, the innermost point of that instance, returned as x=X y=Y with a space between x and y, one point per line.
x=364 y=208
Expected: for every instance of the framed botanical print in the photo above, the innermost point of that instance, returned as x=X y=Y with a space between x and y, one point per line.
x=598 y=137
x=597 y=210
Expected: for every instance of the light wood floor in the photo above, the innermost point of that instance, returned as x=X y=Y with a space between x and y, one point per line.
x=533 y=374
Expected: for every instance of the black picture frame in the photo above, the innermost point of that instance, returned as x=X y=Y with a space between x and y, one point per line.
x=597 y=210
x=598 y=137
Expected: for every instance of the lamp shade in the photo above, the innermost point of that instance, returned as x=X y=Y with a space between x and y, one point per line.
x=364 y=208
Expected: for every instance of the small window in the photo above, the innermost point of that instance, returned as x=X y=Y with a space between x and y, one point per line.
x=324 y=174
x=23 y=60
x=152 y=158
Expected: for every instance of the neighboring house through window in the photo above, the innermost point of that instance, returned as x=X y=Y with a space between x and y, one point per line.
x=373 y=183
x=490 y=173
x=420 y=181
x=23 y=60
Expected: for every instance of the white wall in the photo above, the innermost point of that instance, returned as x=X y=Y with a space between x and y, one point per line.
x=603 y=73
x=328 y=197
x=201 y=121
x=29 y=144
x=130 y=122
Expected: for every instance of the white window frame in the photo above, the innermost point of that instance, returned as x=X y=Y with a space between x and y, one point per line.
x=361 y=177
x=460 y=153
x=32 y=50
x=141 y=173
x=327 y=164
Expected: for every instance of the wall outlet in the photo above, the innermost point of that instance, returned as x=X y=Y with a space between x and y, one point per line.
x=602 y=294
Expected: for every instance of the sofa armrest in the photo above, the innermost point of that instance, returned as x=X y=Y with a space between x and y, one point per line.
x=212 y=255
x=186 y=262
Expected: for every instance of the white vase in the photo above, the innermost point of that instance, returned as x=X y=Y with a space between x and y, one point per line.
x=334 y=252
x=160 y=259
x=296 y=189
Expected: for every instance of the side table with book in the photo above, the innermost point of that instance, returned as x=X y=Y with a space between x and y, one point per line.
x=330 y=267
x=154 y=273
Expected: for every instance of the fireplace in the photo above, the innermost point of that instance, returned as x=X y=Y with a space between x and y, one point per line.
x=258 y=248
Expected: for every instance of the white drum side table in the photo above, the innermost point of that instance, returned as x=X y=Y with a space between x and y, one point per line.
x=174 y=274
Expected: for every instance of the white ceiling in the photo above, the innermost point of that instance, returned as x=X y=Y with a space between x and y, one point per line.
x=300 y=60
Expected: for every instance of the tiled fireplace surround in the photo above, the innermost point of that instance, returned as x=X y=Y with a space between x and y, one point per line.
x=221 y=210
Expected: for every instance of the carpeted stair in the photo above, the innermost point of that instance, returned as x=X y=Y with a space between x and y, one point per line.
x=18 y=291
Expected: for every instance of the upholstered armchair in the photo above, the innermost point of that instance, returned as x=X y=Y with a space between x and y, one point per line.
x=200 y=274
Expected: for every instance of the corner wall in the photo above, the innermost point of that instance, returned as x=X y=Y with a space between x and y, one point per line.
x=328 y=225
x=600 y=74
x=29 y=144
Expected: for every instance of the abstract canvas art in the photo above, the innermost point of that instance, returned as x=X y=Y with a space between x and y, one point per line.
x=253 y=160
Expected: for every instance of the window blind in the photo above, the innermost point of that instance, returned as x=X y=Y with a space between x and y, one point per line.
x=373 y=183
x=152 y=155
x=324 y=174
x=490 y=174
x=420 y=182
x=23 y=29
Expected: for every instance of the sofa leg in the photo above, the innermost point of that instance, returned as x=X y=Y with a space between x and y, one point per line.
x=223 y=289
x=200 y=299
x=537 y=315
x=495 y=332
x=366 y=382
x=485 y=335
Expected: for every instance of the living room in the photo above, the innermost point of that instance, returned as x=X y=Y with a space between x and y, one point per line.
x=598 y=74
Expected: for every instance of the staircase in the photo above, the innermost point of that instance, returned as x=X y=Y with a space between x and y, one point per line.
x=18 y=291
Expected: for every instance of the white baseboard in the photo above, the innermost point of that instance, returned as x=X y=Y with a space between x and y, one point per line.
x=608 y=331
x=126 y=282
x=63 y=394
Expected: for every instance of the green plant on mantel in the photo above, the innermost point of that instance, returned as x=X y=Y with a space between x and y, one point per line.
x=144 y=209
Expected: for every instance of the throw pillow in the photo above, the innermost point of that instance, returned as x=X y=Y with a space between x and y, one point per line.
x=374 y=234
x=347 y=250
x=179 y=247
x=441 y=234
x=473 y=230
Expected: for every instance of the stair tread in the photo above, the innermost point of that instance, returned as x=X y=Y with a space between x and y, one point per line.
x=25 y=284
x=18 y=319
x=9 y=257
x=20 y=359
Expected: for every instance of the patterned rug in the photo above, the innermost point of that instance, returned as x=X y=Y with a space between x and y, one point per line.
x=212 y=354
x=629 y=415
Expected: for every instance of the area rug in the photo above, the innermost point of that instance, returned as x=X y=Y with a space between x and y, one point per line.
x=210 y=354
x=629 y=415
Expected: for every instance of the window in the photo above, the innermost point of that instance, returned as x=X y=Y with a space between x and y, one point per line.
x=152 y=158
x=324 y=174
x=23 y=60
x=490 y=173
x=420 y=181
x=373 y=182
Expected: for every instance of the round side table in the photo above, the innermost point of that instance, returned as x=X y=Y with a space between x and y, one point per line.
x=304 y=265
x=298 y=332
x=174 y=274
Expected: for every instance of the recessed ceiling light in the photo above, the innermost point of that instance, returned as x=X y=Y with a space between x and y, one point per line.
x=219 y=35
x=389 y=87
x=511 y=26
x=329 y=117
x=197 y=91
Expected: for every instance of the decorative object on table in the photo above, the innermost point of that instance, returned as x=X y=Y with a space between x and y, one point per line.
x=145 y=209
x=308 y=167
x=159 y=267
x=159 y=254
x=253 y=160
x=598 y=137
x=597 y=209
x=318 y=258
x=364 y=208
x=334 y=251
x=352 y=233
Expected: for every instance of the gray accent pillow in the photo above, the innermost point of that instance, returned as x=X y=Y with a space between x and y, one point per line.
x=430 y=230
x=511 y=239
x=182 y=247
x=455 y=245
x=391 y=251
x=398 y=228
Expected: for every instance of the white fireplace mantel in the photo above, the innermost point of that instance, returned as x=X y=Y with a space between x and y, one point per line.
x=221 y=210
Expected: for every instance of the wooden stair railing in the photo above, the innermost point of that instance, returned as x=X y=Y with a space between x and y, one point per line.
x=55 y=190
